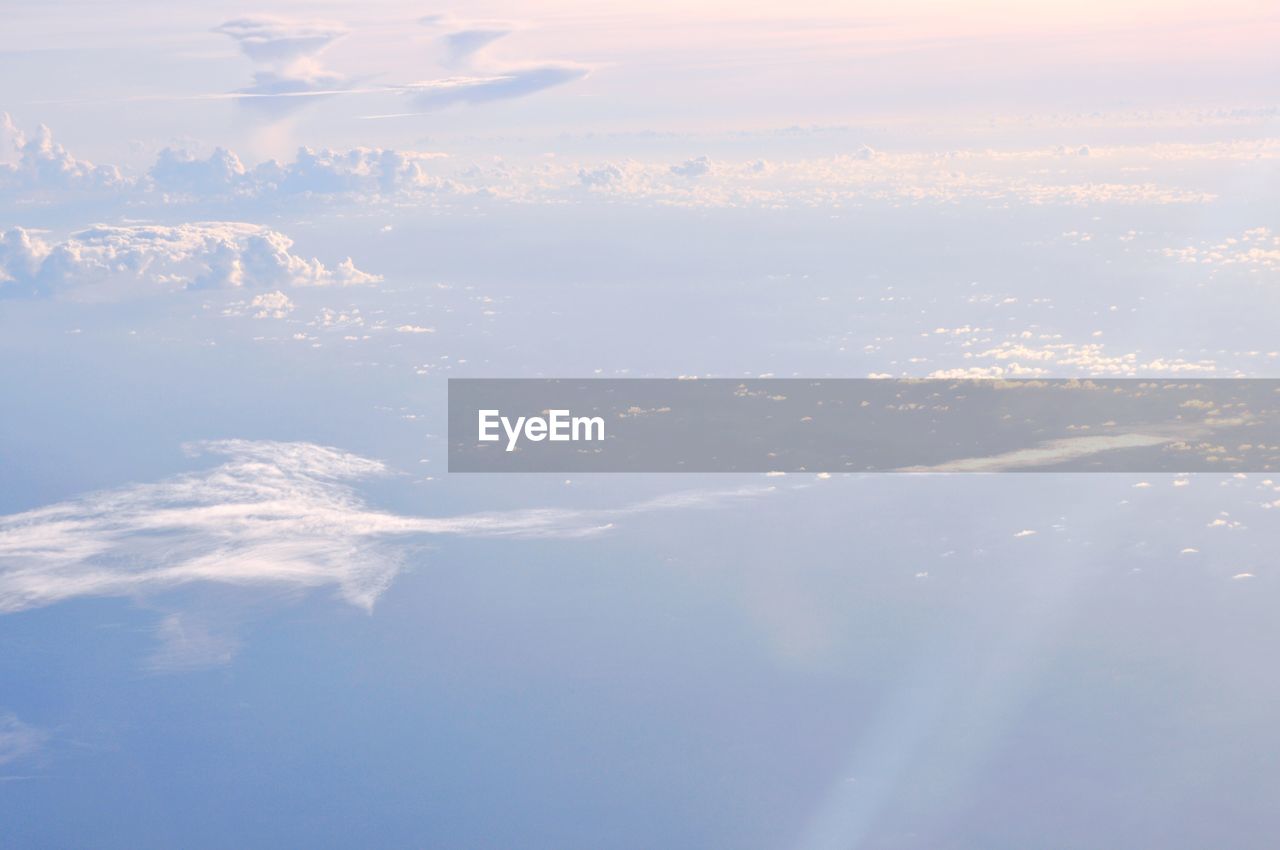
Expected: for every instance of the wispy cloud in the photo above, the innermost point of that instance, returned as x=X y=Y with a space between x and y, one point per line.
x=271 y=514
x=18 y=740
x=481 y=77
x=290 y=72
x=1050 y=453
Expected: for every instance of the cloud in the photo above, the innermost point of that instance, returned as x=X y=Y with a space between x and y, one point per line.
x=290 y=72
x=179 y=173
x=280 y=41
x=271 y=305
x=601 y=175
x=513 y=83
x=462 y=45
x=483 y=78
x=43 y=172
x=179 y=176
x=358 y=170
x=282 y=515
x=1255 y=250
x=691 y=168
x=147 y=258
x=1048 y=454
x=188 y=643
x=39 y=164
x=287 y=51
x=17 y=739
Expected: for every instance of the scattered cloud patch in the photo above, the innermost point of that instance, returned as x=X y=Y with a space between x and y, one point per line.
x=1255 y=250
x=271 y=305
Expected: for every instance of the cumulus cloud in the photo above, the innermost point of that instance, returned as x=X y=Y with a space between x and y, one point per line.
x=271 y=305
x=178 y=176
x=696 y=167
x=39 y=164
x=601 y=175
x=1256 y=250
x=41 y=171
x=358 y=170
x=148 y=258
x=283 y=515
x=179 y=173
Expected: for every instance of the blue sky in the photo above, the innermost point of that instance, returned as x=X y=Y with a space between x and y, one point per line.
x=242 y=602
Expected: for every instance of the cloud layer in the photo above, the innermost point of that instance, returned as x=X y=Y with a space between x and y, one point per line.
x=43 y=172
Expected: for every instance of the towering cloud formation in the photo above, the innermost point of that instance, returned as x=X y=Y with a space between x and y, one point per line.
x=37 y=164
x=287 y=53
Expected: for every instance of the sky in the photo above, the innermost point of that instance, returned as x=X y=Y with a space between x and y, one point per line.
x=243 y=602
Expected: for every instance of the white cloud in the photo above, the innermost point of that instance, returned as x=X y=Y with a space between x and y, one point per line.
x=149 y=258
x=179 y=173
x=273 y=40
x=38 y=164
x=287 y=52
x=1256 y=250
x=363 y=172
x=271 y=305
x=43 y=171
x=270 y=515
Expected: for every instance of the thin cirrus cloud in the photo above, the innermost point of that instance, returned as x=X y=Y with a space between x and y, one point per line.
x=271 y=515
x=142 y=259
